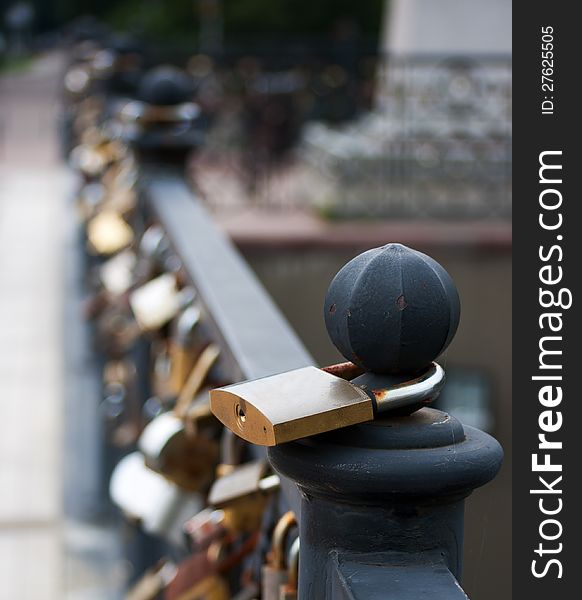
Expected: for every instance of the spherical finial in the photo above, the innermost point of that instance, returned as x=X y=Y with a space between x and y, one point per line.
x=392 y=310
x=166 y=86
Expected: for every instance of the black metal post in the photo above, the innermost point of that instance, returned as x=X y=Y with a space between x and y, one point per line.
x=382 y=503
x=388 y=498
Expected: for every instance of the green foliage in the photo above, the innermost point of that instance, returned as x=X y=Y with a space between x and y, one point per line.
x=297 y=16
x=157 y=18
x=15 y=64
x=180 y=18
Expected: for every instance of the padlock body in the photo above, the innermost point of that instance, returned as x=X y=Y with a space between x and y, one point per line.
x=272 y=579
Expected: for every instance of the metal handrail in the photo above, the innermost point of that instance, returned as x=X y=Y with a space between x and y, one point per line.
x=255 y=338
x=254 y=333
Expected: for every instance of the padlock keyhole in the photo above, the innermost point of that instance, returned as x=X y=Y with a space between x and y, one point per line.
x=240 y=415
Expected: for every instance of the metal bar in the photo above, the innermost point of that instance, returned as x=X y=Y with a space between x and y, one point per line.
x=252 y=328
x=390 y=579
x=256 y=339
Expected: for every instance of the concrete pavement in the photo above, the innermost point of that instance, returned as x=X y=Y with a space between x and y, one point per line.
x=44 y=553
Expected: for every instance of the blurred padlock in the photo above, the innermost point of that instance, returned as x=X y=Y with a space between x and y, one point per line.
x=156 y=302
x=116 y=274
x=160 y=506
x=120 y=183
x=153 y=582
x=115 y=329
x=175 y=356
x=243 y=494
x=197 y=579
x=154 y=252
x=108 y=233
x=89 y=200
x=120 y=406
x=204 y=528
x=288 y=591
x=87 y=159
x=275 y=573
x=182 y=444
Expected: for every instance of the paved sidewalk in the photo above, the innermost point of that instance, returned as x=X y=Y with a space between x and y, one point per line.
x=32 y=197
x=53 y=544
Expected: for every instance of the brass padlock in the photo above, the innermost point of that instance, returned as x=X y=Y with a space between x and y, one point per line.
x=184 y=344
x=87 y=159
x=108 y=233
x=390 y=311
x=275 y=573
x=156 y=302
x=177 y=444
x=289 y=590
x=120 y=183
x=243 y=494
x=176 y=355
x=308 y=401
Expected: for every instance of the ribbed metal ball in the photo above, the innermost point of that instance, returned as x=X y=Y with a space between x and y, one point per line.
x=166 y=86
x=392 y=310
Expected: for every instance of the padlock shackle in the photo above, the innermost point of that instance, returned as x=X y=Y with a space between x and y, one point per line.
x=414 y=392
x=346 y=370
x=280 y=533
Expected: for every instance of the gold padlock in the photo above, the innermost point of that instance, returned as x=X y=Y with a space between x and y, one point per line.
x=108 y=232
x=243 y=494
x=275 y=573
x=391 y=311
x=184 y=345
x=176 y=444
x=308 y=401
x=176 y=355
x=120 y=183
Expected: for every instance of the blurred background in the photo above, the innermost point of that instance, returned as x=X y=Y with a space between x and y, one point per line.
x=319 y=129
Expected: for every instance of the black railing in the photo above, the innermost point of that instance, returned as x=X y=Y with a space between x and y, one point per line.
x=379 y=505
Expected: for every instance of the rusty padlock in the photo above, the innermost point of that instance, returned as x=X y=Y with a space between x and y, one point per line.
x=275 y=573
x=152 y=583
x=204 y=528
x=197 y=578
